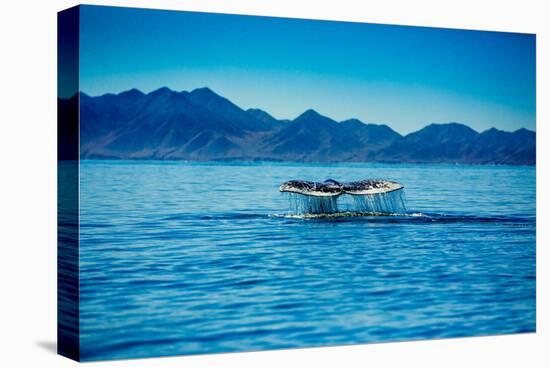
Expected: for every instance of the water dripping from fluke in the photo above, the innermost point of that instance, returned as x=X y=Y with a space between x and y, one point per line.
x=366 y=197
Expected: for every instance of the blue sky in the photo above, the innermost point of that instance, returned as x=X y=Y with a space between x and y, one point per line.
x=406 y=77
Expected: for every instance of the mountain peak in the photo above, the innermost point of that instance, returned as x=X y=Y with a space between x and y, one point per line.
x=523 y=131
x=134 y=92
x=161 y=91
x=204 y=91
x=310 y=113
x=449 y=127
x=312 y=119
x=443 y=132
x=448 y=124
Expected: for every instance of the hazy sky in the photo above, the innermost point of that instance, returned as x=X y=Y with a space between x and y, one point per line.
x=406 y=77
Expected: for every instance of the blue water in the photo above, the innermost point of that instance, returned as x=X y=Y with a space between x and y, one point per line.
x=185 y=258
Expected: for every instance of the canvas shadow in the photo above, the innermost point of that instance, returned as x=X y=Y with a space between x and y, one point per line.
x=48 y=345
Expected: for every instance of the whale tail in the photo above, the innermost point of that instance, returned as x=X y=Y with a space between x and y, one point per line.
x=370 y=196
x=334 y=188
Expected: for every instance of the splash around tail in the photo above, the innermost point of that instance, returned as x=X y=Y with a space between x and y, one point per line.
x=330 y=196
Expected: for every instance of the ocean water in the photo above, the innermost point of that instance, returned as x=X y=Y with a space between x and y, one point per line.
x=187 y=258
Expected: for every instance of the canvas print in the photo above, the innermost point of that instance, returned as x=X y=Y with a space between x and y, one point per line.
x=234 y=183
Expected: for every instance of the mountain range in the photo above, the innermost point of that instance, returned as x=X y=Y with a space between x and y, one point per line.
x=204 y=126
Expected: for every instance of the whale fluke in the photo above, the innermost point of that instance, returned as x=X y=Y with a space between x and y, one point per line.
x=331 y=187
x=327 y=188
x=370 y=187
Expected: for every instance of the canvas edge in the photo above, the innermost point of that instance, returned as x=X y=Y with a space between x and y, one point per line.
x=68 y=226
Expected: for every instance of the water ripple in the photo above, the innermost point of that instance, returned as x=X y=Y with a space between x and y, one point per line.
x=171 y=264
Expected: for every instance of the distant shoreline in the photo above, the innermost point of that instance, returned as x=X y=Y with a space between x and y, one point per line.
x=201 y=125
